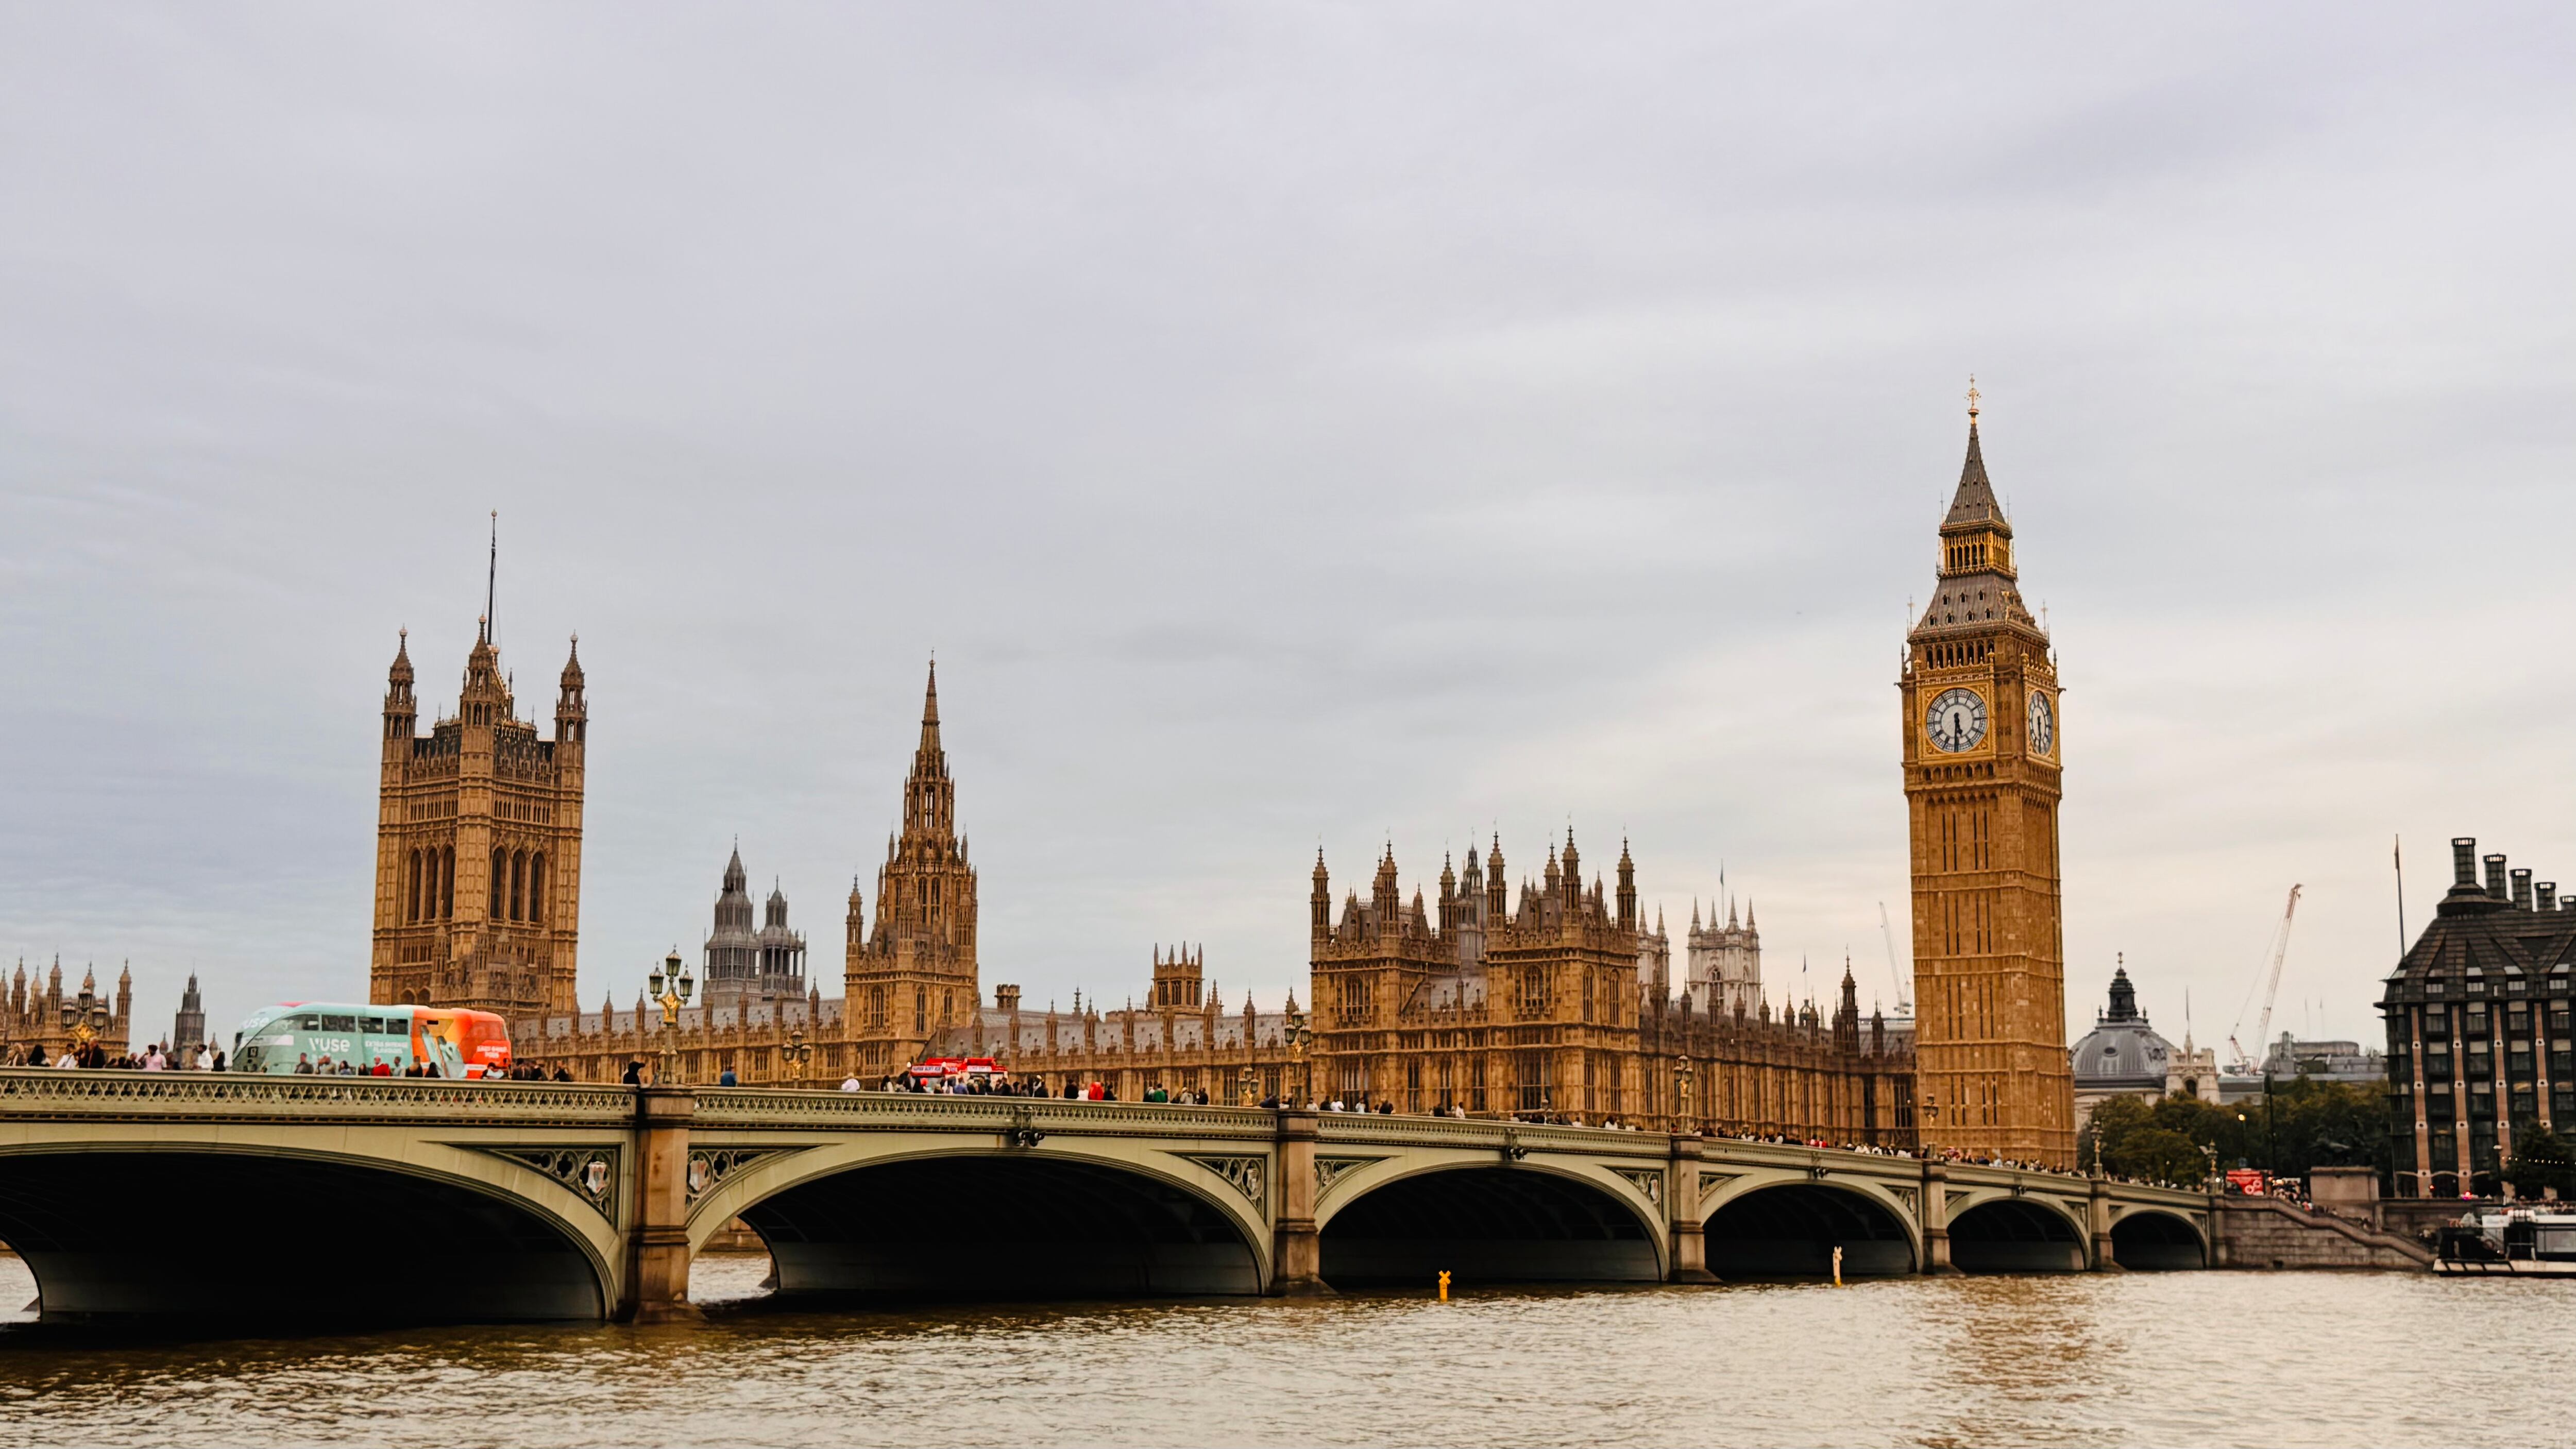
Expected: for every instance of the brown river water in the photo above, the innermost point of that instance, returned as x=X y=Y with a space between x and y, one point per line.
x=2183 y=1358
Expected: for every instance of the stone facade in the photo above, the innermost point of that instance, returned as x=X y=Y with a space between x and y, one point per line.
x=188 y=1028
x=748 y=967
x=45 y=1018
x=1981 y=757
x=1544 y=1004
x=915 y=974
x=478 y=845
x=1725 y=963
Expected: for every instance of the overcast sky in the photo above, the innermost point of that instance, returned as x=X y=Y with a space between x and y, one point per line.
x=1290 y=425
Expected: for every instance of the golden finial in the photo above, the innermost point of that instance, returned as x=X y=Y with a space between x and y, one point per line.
x=1972 y=397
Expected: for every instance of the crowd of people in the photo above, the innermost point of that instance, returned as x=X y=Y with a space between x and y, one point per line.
x=204 y=1057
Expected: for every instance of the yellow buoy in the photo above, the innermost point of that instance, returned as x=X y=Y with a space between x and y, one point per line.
x=1444 y=1285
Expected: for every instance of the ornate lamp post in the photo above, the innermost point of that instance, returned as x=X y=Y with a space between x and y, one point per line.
x=1245 y=1086
x=669 y=986
x=88 y=1018
x=1685 y=1111
x=797 y=1053
x=1299 y=1036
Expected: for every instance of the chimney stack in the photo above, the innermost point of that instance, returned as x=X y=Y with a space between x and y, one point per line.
x=2495 y=878
x=1006 y=998
x=2464 y=861
x=2522 y=890
x=2545 y=896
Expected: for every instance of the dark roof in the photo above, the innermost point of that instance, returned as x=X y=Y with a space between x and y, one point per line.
x=2122 y=1056
x=2480 y=946
x=2122 y=1053
x=1975 y=500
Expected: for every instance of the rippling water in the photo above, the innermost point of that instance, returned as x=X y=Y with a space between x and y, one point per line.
x=2197 y=1358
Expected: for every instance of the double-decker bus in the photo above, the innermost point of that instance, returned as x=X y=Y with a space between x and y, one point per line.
x=458 y=1043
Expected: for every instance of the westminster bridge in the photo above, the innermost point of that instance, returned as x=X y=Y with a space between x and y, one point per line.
x=140 y=1194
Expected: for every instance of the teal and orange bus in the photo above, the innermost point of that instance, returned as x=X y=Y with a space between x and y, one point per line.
x=467 y=1044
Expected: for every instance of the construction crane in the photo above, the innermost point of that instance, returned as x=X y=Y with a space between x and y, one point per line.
x=1887 y=933
x=2280 y=950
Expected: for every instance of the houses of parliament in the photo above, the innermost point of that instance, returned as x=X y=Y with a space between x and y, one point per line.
x=1552 y=996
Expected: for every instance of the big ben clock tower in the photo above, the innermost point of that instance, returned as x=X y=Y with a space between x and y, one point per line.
x=1981 y=793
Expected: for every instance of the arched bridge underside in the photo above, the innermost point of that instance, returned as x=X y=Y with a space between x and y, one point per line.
x=1792 y=1230
x=286 y=1239
x=305 y=1200
x=1001 y=1226
x=1489 y=1225
x=2154 y=1241
x=2015 y=1235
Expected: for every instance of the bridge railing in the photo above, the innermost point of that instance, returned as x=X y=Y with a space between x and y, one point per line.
x=48 y=1092
x=1393 y=1130
x=777 y=1107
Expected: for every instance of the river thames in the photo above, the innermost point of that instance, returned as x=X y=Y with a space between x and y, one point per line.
x=2198 y=1358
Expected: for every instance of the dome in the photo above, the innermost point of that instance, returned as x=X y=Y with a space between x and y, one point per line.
x=2122 y=1053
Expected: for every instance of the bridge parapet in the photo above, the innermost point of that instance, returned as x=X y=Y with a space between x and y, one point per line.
x=46 y=1093
x=759 y=1107
x=1358 y=1128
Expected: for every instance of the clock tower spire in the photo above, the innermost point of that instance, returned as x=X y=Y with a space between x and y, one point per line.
x=1982 y=791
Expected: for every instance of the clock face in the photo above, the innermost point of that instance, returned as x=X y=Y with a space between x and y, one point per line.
x=1957 y=721
x=2043 y=725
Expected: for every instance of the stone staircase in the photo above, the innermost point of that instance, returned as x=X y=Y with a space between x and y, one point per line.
x=2265 y=1232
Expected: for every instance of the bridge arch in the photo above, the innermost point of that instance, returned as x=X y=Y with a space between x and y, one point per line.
x=1788 y=1227
x=172 y=1229
x=1484 y=1221
x=2012 y=1233
x=2152 y=1240
x=872 y=1217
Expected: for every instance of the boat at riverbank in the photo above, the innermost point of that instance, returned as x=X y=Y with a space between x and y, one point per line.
x=2517 y=1242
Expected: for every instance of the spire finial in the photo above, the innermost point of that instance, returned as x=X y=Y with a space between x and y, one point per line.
x=491 y=575
x=1973 y=396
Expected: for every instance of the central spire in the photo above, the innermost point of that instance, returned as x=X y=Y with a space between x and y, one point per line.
x=929 y=798
x=1974 y=503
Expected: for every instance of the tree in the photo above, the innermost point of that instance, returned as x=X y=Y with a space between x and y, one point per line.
x=2309 y=1124
x=2113 y=1120
x=2159 y=1154
x=2541 y=1159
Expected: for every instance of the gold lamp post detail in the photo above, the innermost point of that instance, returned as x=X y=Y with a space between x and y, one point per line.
x=1685 y=1110
x=669 y=986
x=1245 y=1087
x=1299 y=1037
x=797 y=1053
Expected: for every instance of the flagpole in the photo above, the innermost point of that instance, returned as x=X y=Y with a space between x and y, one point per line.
x=2397 y=854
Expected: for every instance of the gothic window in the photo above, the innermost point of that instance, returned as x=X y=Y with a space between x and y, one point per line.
x=1354 y=1000
x=920 y=1008
x=1534 y=1083
x=1476 y=1084
x=518 y=886
x=447 y=882
x=500 y=872
x=411 y=888
x=536 y=886
x=1534 y=991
